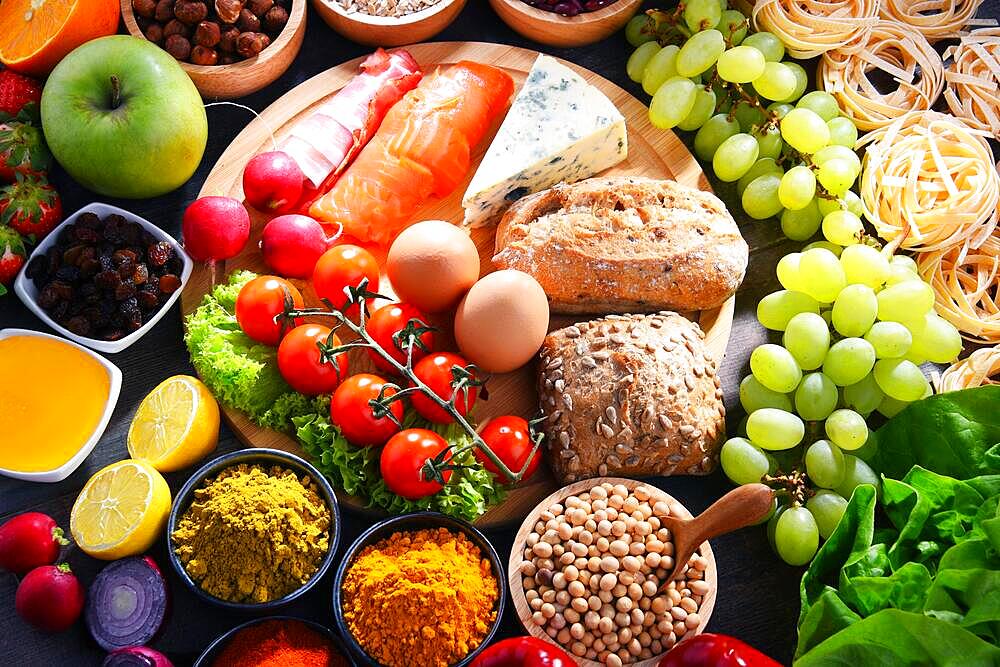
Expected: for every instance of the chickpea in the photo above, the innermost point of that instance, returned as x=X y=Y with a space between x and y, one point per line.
x=699 y=587
x=608 y=581
x=635 y=592
x=688 y=605
x=586 y=537
x=538 y=619
x=680 y=629
x=618 y=528
x=613 y=660
x=563 y=636
x=649 y=588
x=591 y=620
x=571 y=615
x=606 y=597
x=678 y=613
x=639 y=617
x=542 y=549
x=578 y=649
x=549 y=596
x=565 y=531
x=594 y=603
x=535 y=604
x=637 y=549
x=599 y=492
x=624 y=604
x=604 y=626
x=563 y=598
x=602 y=544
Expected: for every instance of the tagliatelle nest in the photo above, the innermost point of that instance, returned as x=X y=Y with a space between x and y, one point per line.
x=929 y=183
x=895 y=49
x=936 y=19
x=811 y=27
x=967 y=288
x=974 y=79
x=979 y=368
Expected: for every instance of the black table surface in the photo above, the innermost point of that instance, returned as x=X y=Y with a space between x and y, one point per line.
x=758 y=597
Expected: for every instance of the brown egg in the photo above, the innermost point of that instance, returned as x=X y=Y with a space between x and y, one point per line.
x=432 y=264
x=502 y=321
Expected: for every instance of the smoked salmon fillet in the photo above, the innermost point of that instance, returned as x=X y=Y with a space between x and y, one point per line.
x=422 y=149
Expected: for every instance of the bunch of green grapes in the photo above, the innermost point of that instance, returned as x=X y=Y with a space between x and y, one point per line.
x=855 y=326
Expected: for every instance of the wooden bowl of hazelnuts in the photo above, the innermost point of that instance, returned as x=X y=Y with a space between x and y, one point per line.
x=229 y=48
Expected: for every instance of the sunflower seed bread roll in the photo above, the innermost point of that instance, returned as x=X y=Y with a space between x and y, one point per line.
x=624 y=244
x=630 y=395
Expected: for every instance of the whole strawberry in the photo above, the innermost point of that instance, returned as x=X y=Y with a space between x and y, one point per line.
x=31 y=206
x=17 y=90
x=11 y=256
x=22 y=150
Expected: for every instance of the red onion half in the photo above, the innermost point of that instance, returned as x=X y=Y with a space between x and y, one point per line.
x=127 y=603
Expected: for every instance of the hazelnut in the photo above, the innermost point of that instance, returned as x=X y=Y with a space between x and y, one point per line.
x=164 y=10
x=178 y=46
x=175 y=27
x=154 y=33
x=228 y=10
x=202 y=55
x=190 y=12
x=248 y=22
x=259 y=7
x=227 y=40
x=275 y=19
x=250 y=44
x=144 y=8
x=207 y=34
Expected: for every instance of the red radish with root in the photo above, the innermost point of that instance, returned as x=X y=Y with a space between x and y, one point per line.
x=214 y=229
x=292 y=244
x=28 y=541
x=50 y=597
x=272 y=182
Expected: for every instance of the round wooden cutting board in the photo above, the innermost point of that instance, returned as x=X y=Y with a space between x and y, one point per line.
x=652 y=152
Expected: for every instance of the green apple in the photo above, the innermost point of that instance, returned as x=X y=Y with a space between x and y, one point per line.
x=123 y=118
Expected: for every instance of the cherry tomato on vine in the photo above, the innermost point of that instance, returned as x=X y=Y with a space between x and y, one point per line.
x=509 y=437
x=301 y=364
x=435 y=372
x=342 y=266
x=385 y=323
x=259 y=304
x=351 y=412
x=402 y=462
x=523 y=652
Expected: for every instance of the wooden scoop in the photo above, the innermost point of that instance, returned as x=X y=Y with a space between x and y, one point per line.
x=743 y=506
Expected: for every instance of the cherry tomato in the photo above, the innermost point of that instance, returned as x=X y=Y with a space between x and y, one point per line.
x=523 y=652
x=259 y=304
x=342 y=266
x=716 y=650
x=510 y=439
x=435 y=372
x=350 y=411
x=385 y=323
x=301 y=364
x=403 y=458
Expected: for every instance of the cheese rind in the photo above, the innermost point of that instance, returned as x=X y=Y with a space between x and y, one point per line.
x=559 y=129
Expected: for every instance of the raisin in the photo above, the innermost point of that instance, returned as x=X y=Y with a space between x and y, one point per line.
x=133 y=321
x=169 y=283
x=38 y=269
x=159 y=253
x=147 y=300
x=113 y=334
x=89 y=267
x=66 y=235
x=125 y=290
x=129 y=306
x=132 y=233
x=126 y=269
x=122 y=256
x=89 y=220
x=107 y=279
x=69 y=274
x=153 y=283
x=140 y=274
x=54 y=258
x=59 y=310
x=85 y=235
x=175 y=265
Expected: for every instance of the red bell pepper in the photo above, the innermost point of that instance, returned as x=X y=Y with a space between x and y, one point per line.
x=523 y=652
x=712 y=650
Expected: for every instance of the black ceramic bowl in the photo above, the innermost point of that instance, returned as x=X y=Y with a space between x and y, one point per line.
x=413 y=522
x=214 y=649
x=265 y=457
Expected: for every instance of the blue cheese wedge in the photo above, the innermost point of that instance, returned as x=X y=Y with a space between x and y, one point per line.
x=559 y=129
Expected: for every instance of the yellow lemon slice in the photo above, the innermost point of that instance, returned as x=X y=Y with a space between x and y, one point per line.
x=120 y=511
x=176 y=425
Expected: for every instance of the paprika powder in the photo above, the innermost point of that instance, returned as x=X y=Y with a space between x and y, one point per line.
x=279 y=643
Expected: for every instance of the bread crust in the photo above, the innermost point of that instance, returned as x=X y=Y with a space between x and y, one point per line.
x=624 y=244
x=630 y=395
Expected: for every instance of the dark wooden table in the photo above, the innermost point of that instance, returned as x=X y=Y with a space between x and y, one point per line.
x=758 y=597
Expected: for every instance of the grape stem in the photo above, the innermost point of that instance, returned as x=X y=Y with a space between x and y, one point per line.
x=795 y=484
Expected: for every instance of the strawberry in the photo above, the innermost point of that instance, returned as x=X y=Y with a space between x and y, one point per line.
x=30 y=206
x=17 y=90
x=11 y=256
x=22 y=150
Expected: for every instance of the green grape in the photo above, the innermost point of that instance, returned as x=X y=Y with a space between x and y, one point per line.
x=822 y=104
x=842 y=227
x=672 y=102
x=742 y=462
x=637 y=62
x=772 y=525
x=733 y=26
x=938 y=340
x=769 y=140
x=904 y=261
x=775 y=368
x=800 y=225
x=901 y=379
x=779 y=109
x=863 y=397
x=849 y=202
x=825 y=464
x=846 y=429
x=748 y=115
x=704 y=107
x=768 y=44
x=905 y=302
x=834 y=152
x=661 y=66
x=825 y=245
x=891 y=340
x=702 y=14
x=734 y=157
x=900 y=274
x=760 y=198
x=856 y=473
x=827 y=507
x=773 y=429
x=804 y=131
x=821 y=275
x=777 y=82
x=854 y=310
x=754 y=396
x=716 y=130
x=842 y=132
x=740 y=64
x=798 y=188
x=777 y=309
x=700 y=52
x=640 y=30
x=836 y=175
x=807 y=337
x=796 y=536
x=760 y=167
x=801 y=80
x=816 y=397
x=913 y=356
x=787 y=271
x=890 y=407
x=827 y=315
x=864 y=265
x=848 y=361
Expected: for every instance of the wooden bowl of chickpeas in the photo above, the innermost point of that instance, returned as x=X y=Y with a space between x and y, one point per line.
x=586 y=569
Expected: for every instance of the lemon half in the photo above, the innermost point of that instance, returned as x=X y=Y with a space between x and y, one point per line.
x=176 y=425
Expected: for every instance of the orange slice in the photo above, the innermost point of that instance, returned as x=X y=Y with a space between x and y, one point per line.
x=36 y=34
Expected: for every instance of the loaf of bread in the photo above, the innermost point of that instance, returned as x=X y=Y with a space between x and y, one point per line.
x=632 y=396
x=624 y=244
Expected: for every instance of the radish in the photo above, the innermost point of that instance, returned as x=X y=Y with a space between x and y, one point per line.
x=215 y=228
x=28 y=541
x=292 y=244
x=50 y=597
x=272 y=182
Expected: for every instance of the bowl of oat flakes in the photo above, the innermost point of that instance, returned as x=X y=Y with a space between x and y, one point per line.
x=388 y=22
